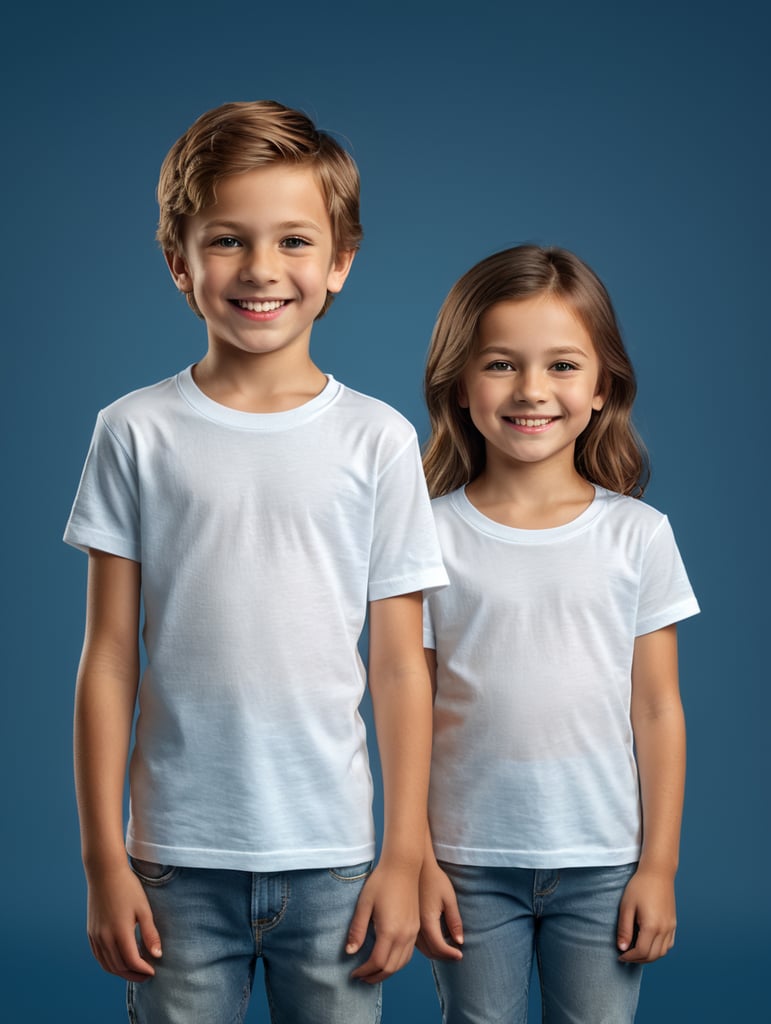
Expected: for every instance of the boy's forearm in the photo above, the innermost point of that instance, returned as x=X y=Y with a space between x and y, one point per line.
x=402 y=704
x=104 y=707
x=101 y=741
x=403 y=722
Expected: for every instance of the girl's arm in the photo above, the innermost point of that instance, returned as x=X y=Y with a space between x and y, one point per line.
x=437 y=896
x=401 y=701
x=648 y=904
x=104 y=709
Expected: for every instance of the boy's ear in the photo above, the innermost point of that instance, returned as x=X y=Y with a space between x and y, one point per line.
x=338 y=272
x=179 y=271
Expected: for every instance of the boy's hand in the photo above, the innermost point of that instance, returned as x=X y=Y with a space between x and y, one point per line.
x=116 y=905
x=647 y=917
x=437 y=904
x=389 y=900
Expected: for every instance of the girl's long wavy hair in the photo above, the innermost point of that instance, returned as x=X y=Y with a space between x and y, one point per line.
x=609 y=452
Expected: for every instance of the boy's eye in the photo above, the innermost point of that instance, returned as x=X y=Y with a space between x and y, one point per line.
x=294 y=242
x=227 y=242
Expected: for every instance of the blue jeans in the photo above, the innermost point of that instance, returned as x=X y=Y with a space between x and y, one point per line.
x=214 y=924
x=567 y=918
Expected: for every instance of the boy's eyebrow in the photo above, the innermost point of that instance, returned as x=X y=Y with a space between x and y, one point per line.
x=288 y=225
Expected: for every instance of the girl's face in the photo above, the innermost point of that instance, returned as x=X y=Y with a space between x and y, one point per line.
x=533 y=381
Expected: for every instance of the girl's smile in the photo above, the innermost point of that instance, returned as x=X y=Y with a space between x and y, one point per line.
x=533 y=383
x=529 y=426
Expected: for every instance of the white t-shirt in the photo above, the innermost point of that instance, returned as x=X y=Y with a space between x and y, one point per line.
x=261 y=537
x=533 y=762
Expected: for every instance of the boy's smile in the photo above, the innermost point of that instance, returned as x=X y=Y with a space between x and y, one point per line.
x=260 y=261
x=533 y=381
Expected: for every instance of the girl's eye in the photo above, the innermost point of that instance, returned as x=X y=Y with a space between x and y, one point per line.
x=294 y=242
x=227 y=242
x=500 y=364
x=562 y=366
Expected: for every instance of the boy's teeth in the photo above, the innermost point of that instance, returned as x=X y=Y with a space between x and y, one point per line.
x=261 y=307
x=520 y=422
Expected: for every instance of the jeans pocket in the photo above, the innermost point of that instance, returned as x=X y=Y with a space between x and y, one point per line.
x=150 y=873
x=352 y=872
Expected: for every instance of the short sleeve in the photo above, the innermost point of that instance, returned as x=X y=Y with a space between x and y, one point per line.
x=666 y=595
x=405 y=554
x=105 y=514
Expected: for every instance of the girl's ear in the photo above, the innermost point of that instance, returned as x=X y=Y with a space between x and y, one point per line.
x=601 y=394
x=179 y=271
x=461 y=394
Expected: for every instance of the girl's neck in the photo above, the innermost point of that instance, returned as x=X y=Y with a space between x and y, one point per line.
x=530 y=499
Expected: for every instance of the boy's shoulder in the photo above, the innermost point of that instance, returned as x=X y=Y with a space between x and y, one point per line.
x=373 y=411
x=136 y=403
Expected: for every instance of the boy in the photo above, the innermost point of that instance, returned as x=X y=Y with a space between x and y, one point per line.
x=262 y=505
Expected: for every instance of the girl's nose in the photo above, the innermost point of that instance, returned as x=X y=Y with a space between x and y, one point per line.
x=530 y=386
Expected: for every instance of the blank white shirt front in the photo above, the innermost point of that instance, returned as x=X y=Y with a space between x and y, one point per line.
x=261 y=540
x=533 y=762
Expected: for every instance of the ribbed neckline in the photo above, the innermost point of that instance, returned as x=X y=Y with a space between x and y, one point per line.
x=476 y=519
x=261 y=421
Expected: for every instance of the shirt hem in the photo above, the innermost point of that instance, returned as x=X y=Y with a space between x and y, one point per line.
x=537 y=860
x=240 y=860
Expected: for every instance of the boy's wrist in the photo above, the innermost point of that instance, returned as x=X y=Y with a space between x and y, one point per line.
x=409 y=861
x=102 y=862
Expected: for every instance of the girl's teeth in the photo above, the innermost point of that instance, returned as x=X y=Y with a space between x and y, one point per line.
x=532 y=423
x=261 y=307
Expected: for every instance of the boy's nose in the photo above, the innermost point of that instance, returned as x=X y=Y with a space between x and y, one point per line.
x=260 y=266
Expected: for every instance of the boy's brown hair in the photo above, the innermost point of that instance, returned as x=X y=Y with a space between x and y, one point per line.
x=239 y=137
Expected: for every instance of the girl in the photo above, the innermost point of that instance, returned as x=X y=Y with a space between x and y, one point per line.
x=559 y=749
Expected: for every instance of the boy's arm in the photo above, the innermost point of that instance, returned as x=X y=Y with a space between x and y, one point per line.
x=658 y=723
x=401 y=701
x=437 y=896
x=104 y=709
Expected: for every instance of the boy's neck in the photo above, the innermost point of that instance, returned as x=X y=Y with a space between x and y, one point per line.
x=253 y=384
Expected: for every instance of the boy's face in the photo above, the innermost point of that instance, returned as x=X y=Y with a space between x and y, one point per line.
x=260 y=261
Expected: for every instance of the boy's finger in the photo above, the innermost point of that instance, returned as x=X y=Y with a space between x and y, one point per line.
x=150 y=936
x=625 y=929
x=386 y=959
x=357 y=931
x=453 y=922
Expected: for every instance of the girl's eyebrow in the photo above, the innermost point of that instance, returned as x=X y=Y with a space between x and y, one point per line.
x=556 y=350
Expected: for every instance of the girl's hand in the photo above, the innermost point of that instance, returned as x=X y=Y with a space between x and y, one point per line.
x=438 y=905
x=647 y=917
x=116 y=905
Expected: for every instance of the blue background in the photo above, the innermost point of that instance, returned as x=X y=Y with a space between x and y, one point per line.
x=635 y=134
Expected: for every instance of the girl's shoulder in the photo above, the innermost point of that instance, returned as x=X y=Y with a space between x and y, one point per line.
x=624 y=507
